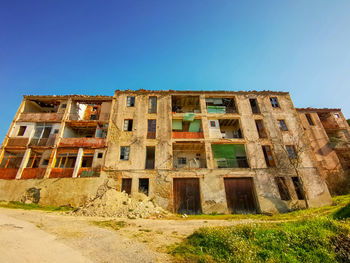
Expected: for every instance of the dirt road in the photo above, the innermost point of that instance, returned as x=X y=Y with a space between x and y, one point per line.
x=37 y=236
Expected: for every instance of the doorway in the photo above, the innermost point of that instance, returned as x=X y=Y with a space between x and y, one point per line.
x=240 y=195
x=186 y=196
x=126 y=185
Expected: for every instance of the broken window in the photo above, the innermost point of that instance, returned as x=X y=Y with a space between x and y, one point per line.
x=282 y=188
x=21 y=130
x=11 y=160
x=292 y=154
x=270 y=162
x=151 y=129
x=150 y=157
x=212 y=124
x=41 y=106
x=260 y=128
x=144 y=185
x=124 y=153
x=221 y=105
x=34 y=160
x=298 y=188
x=99 y=155
x=183 y=104
x=87 y=160
x=101 y=131
x=230 y=156
x=128 y=125
x=182 y=160
x=282 y=125
x=45 y=162
x=66 y=160
x=152 y=105
x=254 y=105
x=130 y=101
x=42 y=136
x=309 y=119
x=274 y=102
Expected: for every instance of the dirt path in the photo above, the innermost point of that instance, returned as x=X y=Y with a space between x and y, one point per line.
x=37 y=236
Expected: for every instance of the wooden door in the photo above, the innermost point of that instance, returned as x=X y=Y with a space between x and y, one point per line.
x=126 y=185
x=240 y=195
x=186 y=196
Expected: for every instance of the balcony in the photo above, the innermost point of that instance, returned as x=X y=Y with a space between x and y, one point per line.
x=187 y=129
x=230 y=156
x=8 y=173
x=221 y=105
x=43 y=141
x=17 y=142
x=61 y=172
x=90 y=111
x=83 y=142
x=189 y=156
x=33 y=173
x=225 y=129
x=40 y=117
x=185 y=104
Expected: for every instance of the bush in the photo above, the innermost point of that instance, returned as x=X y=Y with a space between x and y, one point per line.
x=342 y=213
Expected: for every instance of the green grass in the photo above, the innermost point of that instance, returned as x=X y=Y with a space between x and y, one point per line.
x=19 y=205
x=112 y=224
x=310 y=235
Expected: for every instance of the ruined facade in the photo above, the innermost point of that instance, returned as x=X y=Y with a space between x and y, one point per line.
x=329 y=135
x=193 y=152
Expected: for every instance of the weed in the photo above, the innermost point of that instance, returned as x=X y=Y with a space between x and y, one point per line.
x=19 y=205
x=112 y=224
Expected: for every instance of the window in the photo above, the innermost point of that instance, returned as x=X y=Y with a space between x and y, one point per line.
x=87 y=160
x=34 y=160
x=63 y=106
x=151 y=129
x=45 y=162
x=309 y=119
x=127 y=125
x=55 y=131
x=282 y=188
x=291 y=151
x=11 y=160
x=130 y=101
x=124 y=153
x=144 y=185
x=99 y=155
x=21 y=130
x=274 y=102
x=298 y=188
x=66 y=160
x=254 y=105
x=282 y=125
x=152 y=105
x=337 y=116
x=270 y=162
x=181 y=160
x=212 y=124
x=260 y=128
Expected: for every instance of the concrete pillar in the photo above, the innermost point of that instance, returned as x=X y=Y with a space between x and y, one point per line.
x=51 y=163
x=202 y=104
x=23 y=163
x=135 y=184
x=78 y=162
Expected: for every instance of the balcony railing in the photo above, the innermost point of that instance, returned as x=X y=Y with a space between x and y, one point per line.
x=88 y=172
x=22 y=142
x=43 y=141
x=61 y=172
x=239 y=162
x=190 y=164
x=83 y=142
x=92 y=117
x=151 y=135
x=41 y=117
x=188 y=135
x=33 y=173
x=8 y=173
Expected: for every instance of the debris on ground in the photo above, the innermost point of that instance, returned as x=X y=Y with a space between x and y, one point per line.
x=112 y=203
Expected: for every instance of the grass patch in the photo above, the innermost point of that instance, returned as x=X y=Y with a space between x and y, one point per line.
x=317 y=240
x=19 y=205
x=310 y=235
x=112 y=224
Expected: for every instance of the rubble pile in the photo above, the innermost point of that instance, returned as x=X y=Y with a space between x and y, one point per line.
x=111 y=203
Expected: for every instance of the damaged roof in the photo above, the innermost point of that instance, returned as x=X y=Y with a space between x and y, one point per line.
x=317 y=109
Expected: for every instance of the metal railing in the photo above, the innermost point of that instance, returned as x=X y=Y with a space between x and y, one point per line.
x=189 y=163
x=239 y=162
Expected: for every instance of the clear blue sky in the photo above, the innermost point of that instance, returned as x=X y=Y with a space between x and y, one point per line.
x=95 y=47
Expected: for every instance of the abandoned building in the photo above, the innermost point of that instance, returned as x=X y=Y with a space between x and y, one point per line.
x=191 y=151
